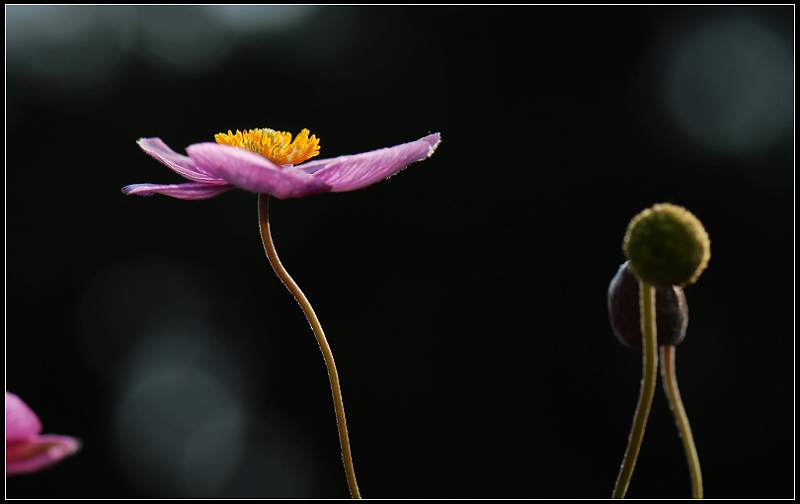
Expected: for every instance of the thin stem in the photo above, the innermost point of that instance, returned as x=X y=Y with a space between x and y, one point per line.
x=269 y=247
x=676 y=405
x=647 y=300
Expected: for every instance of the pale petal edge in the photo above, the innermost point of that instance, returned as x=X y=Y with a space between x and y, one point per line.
x=348 y=173
x=187 y=191
x=34 y=454
x=180 y=164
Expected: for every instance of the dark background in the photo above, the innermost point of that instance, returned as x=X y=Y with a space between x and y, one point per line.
x=464 y=299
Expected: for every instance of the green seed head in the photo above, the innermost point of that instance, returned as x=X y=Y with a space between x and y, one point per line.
x=667 y=245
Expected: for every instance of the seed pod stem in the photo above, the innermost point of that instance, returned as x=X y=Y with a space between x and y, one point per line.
x=649 y=375
x=676 y=405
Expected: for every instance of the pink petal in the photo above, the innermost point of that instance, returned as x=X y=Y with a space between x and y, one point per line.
x=42 y=451
x=253 y=172
x=347 y=173
x=26 y=450
x=182 y=165
x=187 y=191
x=21 y=422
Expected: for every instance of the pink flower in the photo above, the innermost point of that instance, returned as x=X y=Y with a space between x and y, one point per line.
x=267 y=161
x=26 y=450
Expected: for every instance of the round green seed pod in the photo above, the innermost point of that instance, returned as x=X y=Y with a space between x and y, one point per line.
x=667 y=245
x=672 y=312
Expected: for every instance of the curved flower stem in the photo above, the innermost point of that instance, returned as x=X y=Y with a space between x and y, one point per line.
x=676 y=405
x=269 y=247
x=647 y=301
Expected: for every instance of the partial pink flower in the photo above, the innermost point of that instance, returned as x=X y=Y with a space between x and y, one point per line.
x=261 y=161
x=27 y=450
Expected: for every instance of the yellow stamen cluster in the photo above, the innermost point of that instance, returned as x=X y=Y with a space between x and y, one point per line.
x=277 y=146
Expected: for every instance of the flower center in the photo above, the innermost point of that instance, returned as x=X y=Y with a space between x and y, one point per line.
x=277 y=146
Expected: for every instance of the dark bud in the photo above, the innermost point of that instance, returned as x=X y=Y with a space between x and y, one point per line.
x=672 y=313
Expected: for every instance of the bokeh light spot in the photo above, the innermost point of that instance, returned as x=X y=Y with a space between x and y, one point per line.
x=728 y=85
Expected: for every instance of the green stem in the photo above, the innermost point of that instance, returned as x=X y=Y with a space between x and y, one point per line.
x=647 y=301
x=676 y=405
x=269 y=247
